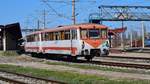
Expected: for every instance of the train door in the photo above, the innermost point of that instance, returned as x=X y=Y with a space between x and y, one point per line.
x=73 y=39
x=39 y=42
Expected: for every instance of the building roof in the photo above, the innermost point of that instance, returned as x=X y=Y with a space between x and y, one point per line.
x=13 y=29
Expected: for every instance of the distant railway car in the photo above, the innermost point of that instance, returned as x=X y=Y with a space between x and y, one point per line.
x=86 y=40
x=147 y=42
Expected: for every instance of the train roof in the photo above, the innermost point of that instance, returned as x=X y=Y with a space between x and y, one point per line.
x=77 y=26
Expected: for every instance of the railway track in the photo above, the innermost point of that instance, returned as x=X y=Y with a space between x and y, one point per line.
x=110 y=63
x=7 y=77
x=125 y=57
x=129 y=62
x=119 y=64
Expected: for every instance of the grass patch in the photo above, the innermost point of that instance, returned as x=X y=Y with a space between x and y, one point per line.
x=97 y=67
x=70 y=77
x=8 y=53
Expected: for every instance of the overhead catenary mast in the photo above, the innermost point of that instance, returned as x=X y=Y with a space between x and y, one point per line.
x=73 y=12
x=44 y=18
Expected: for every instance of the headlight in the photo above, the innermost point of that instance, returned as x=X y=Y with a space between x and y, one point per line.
x=106 y=44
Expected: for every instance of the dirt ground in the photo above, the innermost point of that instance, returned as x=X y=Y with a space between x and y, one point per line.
x=28 y=61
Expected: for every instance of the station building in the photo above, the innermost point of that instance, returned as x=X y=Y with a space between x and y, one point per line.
x=9 y=36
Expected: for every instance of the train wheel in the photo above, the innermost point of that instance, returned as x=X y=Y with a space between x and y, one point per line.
x=88 y=57
x=33 y=54
x=72 y=58
x=98 y=54
x=106 y=52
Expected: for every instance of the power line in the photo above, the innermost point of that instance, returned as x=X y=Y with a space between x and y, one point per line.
x=70 y=2
x=58 y=14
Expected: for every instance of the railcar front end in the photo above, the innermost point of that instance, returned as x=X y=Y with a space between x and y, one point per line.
x=93 y=42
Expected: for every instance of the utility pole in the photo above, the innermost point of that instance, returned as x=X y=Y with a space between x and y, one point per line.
x=143 y=35
x=44 y=18
x=131 y=38
x=27 y=22
x=122 y=37
x=73 y=12
x=4 y=38
x=38 y=24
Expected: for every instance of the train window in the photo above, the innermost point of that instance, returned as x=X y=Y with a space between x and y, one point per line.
x=46 y=36
x=51 y=36
x=54 y=36
x=67 y=35
x=36 y=37
x=74 y=34
x=84 y=34
x=43 y=36
x=62 y=35
x=30 y=38
x=103 y=33
x=57 y=35
x=94 y=33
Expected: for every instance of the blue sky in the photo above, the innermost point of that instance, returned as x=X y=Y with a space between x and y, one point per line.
x=28 y=11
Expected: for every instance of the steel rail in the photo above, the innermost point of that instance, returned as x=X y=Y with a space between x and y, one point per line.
x=127 y=57
x=29 y=76
x=11 y=80
x=119 y=64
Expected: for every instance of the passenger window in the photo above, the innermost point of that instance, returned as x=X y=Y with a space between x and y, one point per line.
x=36 y=37
x=30 y=38
x=74 y=34
x=43 y=36
x=56 y=36
x=62 y=35
x=51 y=36
x=67 y=35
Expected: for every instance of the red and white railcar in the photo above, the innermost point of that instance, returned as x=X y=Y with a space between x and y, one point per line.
x=86 y=40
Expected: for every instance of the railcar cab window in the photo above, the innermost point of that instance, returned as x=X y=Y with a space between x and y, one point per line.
x=94 y=33
x=90 y=34
x=104 y=33
x=84 y=34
